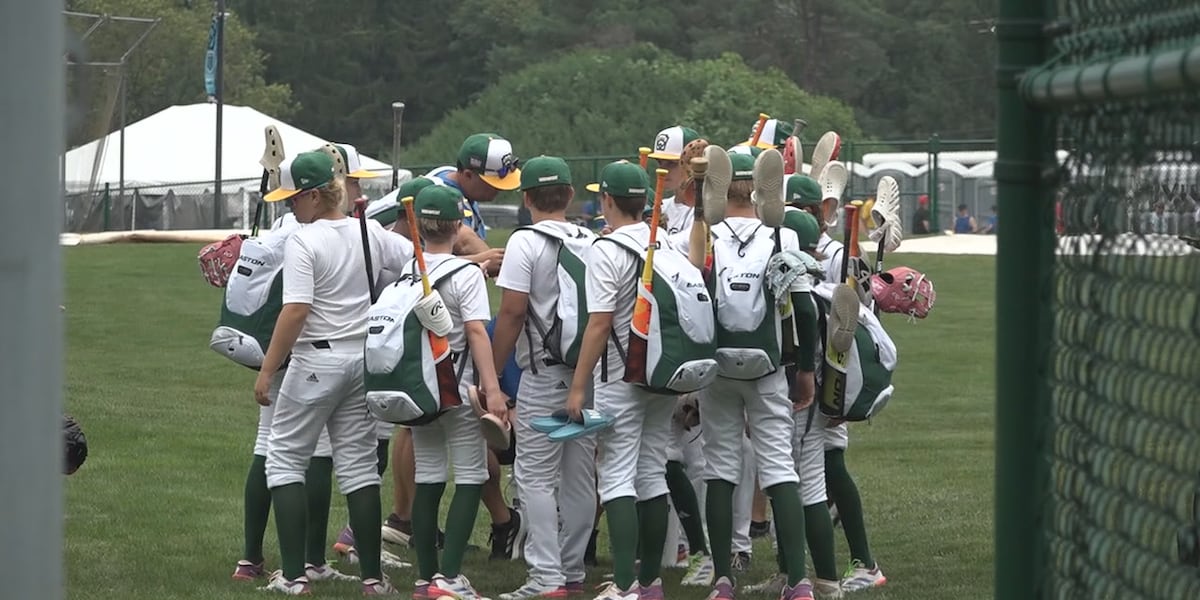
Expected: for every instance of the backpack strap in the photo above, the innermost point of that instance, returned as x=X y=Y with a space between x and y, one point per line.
x=559 y=238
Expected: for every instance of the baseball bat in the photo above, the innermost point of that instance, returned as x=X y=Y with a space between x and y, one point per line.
x=643 y=156
x=855 y=250
x=361 y=204
x=648 y=271
x=798 y=126
x=762 y=121
x=397 y=116
x=699 y=168
x=415 y=235
x=851 y=215
x=635 y=363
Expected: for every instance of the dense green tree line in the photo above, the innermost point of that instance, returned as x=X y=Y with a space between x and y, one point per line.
x=538 y=70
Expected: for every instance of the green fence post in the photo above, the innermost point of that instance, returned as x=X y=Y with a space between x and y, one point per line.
x=106 y=203
x=1025 y=254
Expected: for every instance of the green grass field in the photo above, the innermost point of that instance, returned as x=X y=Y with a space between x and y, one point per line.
x=156 y=510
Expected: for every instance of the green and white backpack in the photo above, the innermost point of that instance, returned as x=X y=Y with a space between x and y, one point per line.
x=681 y=339
x=748 y=327
x=253 y=298
x=562 y=338
x=411 y=376
x=856 y=385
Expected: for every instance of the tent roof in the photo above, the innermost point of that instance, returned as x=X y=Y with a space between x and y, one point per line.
x=178 y=145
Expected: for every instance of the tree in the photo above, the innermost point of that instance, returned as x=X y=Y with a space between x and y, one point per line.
x=168 y=68
x=595 y=102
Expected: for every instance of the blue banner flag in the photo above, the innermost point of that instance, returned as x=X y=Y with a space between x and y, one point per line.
x=210 y=61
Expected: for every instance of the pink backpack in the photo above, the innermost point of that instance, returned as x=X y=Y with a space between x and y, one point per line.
x=904 y=291
x=218 y=259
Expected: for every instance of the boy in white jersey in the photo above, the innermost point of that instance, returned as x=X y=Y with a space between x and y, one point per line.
x=323 y=327
x=543 y=467
x=752 y=387
x=667 y=151
x=632 y=468
x=454 y=439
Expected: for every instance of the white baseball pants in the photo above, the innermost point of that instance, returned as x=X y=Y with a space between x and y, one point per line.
x=743 y=499
x=837 y=437
x=323 y=388
x=556 y=481
x=633 y=452
x=808 y=450
x=727 y=406
x=267 y=413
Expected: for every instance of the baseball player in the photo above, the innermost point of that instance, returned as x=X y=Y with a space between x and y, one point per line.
x=738 y=398
x=677 y=210
x=257 y=498
x=454 y=439
x=840 y=486
x=808 y=434
x=632 y=466
x=556 y=479
x=322 y=325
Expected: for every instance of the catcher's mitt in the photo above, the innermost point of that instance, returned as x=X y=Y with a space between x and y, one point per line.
x=77 y=448
x=693 y=149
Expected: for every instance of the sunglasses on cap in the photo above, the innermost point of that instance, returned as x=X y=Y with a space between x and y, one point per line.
x=509 y=164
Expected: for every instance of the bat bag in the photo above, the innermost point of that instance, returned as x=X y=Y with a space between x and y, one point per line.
x=562 y=338
x=411 y=374
x=857 y=384
x=748 y=324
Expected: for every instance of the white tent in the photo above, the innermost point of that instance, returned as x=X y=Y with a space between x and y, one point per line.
x=178 y=145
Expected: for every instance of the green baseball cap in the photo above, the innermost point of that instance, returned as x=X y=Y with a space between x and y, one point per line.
x=438 y=202
x=802 y=190
x=775 y=134
x=669 y=143
x=743 y=166
x=545 y=170
x=623 y=178
x=492 y=157
x=747 y=150
x=300 y=173
x=805 y=226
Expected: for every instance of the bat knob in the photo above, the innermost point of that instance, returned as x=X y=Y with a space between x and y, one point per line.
x=699 y=167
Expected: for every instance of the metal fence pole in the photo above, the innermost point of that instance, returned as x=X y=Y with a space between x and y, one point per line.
x=31 y=484
x=1025 y=146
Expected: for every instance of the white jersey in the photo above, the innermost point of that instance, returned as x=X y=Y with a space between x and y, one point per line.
x=679 y=223
x=324 y=267
x=466 y=298
x=611 y=282
x=831 y=249
x=530 y=267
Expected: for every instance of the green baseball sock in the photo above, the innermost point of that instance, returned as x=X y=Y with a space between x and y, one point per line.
x=460 y=522
x=257 y=500
x=318 y=484
x=844 y=493
x=426 y=508
x=789 y=528
x=718 y=508
x=652 y=521
x=622 y=515
x=291 y=516
x=365 y=510
x=818 y=527
x=687 y=506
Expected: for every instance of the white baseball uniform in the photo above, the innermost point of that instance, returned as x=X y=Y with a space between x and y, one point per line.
x=633 y=452
x=267 y=413
x=679 y=223
x=323 y=385
x=556 y=480
x=454 y=439
x=728 y=405
x=743 y=500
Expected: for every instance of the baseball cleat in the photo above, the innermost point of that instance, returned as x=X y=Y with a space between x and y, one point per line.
x=768 y=187
x=396 y=530
x=455 y=588
x=722 y=590
x=280 y=584
x=421 y=590
x=740 y=562
x=325 y=573
x=700 y=571
x=610 y=591
x=507 y=539
x=716 y=183
x=378 y=587
x=654 y=591
x=533 y=589
x=771 y=585
x=391 y=561
x=801 y=591
x=248 y=571
x=575 y=587
x=344 y=545
x=858 y=577
x=827 y=589
x=843 y=318
x=759 y=529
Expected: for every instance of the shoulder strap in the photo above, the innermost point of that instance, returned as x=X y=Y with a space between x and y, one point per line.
x=445 y=269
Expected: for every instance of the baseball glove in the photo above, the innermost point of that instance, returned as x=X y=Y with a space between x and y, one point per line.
x=687 y=189
x=77 y=448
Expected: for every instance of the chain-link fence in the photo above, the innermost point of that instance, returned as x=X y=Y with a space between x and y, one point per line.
x=1098 y=377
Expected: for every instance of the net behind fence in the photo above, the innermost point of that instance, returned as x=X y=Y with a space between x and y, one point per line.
x=1123 y=442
